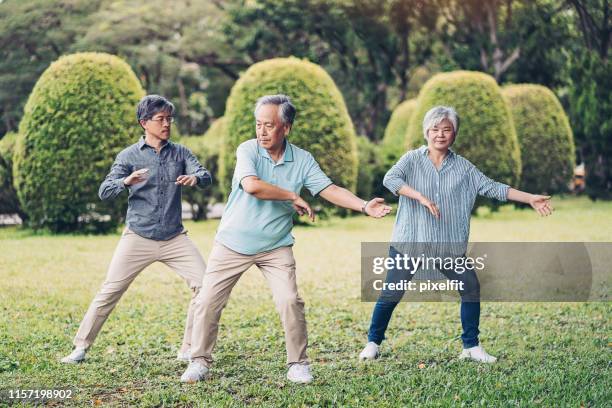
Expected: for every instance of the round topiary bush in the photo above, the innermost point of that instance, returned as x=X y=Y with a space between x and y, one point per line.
x=545 y=138
x=371 y=169
x=9 y=203
x=206 y=148
x=80 y=114
x=394 y=143
x=322 y=125
x=486 y=135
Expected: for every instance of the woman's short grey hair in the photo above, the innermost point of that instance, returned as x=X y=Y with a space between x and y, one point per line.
x=151 y=105
x=286 y=110
x=437 y=114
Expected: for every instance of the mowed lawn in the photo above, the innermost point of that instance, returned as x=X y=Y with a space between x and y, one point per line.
x=550 y=354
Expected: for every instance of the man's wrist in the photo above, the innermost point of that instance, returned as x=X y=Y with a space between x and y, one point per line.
x=364 y=206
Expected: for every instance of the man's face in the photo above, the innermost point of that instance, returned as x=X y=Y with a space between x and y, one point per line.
x=441 y=136
x=158 y=126
x=271 y=132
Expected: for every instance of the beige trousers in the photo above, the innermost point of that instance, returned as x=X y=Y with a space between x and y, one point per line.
x=224 y=269
x=132 y=255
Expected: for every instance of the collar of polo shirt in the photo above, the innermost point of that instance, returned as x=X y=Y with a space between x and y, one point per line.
x=287 y=154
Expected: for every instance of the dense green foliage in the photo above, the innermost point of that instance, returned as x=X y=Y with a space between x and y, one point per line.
x=322 y=125
x=207 y=149
x=9 y=203
x=395 y=142
x=545 y=138
x=80 y=115
x=590 y=111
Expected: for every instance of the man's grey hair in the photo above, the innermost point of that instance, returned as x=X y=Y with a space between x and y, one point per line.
x=437 y=114
x=286 y=110
x=151 y=105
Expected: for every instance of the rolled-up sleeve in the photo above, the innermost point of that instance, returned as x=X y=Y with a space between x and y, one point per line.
x=315 y=180
x=113 y=185
x=194 y=168
x=489 y=188
x=397 y=176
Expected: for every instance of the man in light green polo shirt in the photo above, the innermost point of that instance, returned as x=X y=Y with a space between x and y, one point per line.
x=256 y=230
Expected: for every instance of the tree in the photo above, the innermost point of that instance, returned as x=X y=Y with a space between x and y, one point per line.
x=368 y=46
x=590 y=100
x=33 y=33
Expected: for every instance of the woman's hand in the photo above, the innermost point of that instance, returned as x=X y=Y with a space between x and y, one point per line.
x=541 y=204
x=425 y=202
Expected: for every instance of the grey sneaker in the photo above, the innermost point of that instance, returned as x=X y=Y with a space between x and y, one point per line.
x=77 y=356
x=195 y=372
x=369 y=352
x=299 y=373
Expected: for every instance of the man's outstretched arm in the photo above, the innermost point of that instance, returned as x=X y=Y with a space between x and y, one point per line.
x=342 y=197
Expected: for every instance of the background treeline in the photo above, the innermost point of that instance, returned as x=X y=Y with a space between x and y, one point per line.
x=379 y=53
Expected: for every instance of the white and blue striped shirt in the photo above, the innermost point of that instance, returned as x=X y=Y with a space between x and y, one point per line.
x=453 y=188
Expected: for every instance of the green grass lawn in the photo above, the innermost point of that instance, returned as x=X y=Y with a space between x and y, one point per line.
x=550 y=354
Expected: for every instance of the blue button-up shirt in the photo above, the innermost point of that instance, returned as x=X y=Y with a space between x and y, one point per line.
x=250 y=225
x=453 y=188
x=154 y=205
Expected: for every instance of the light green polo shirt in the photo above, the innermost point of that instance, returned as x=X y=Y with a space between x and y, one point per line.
x=250 y=225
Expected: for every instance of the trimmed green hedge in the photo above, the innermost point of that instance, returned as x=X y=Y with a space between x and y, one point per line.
x=80 y=114
x=545 y=137
x=394 y=144
x=486 y=134
x=9 y=203
x=322 y=125
x=207 y=149
x=371 y=169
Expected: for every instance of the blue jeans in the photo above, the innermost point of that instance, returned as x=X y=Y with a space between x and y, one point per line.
x=469 y=312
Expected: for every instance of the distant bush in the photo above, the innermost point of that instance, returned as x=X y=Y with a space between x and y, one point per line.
x=207 y=149
x=80 y=114
x=545 y=137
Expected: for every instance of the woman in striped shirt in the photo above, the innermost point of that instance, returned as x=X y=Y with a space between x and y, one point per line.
x=437 y=190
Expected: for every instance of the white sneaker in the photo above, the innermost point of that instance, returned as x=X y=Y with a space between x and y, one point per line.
x=369 y=352
x=477 y=353
x=183 y=356
x=195 y=372
x=77 y=355
x=299 y=373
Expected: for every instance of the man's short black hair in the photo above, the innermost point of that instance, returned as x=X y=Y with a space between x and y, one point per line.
x=152 y=104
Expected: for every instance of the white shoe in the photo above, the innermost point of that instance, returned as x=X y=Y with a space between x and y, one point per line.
x=477 y=353
x=77 y=355
x=299 y=373
x=183 y=356
x=195 y=372
x=369 y=352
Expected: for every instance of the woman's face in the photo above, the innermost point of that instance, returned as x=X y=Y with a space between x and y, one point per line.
x=441 y=136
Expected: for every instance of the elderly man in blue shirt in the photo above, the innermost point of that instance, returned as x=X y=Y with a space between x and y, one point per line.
x=153 y=170
x=437 y=189
x=256 y=230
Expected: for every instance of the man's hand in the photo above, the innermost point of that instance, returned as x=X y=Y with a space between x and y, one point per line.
x=302 y=207
x=425 y=202
x=186 y=180
x=376 y=208
x=136 y=177
x=541 y=204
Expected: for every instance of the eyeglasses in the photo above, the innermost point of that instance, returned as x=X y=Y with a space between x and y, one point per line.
x=169 y=119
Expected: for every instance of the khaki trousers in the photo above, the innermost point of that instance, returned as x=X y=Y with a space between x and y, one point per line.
x=224 y=269
x=132 y=255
